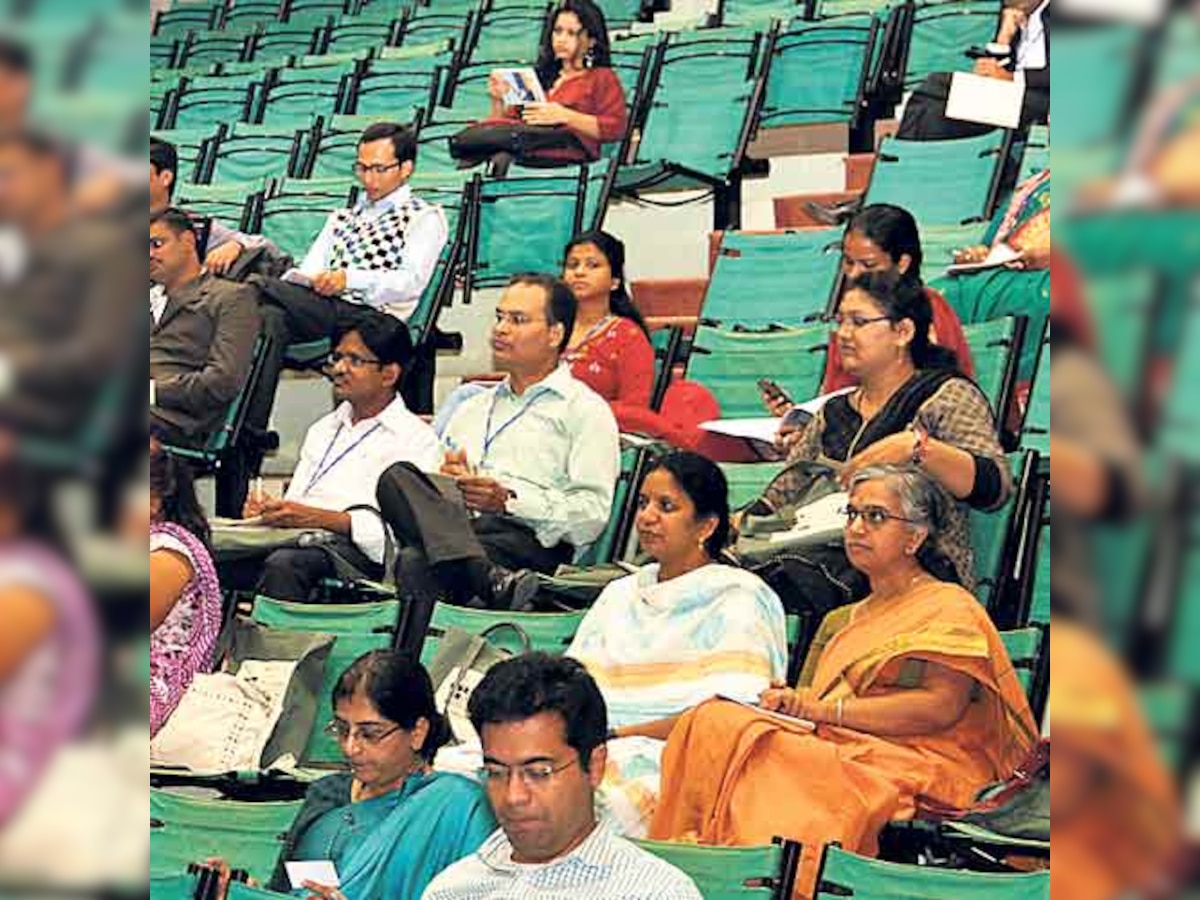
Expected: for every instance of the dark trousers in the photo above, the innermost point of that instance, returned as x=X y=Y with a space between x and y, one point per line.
x=447 y=555
x=308 y=316
x=295 y=573
x=925 y=116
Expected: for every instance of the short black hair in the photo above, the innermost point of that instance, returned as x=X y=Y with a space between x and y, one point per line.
x=175 y=219
x=403 y=138
x=525 y=686
x=561 y=305
x=400 y=689
x=385 y=336
x=164 y=158
x=15 y=55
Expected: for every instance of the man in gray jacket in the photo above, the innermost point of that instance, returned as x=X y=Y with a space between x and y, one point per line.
x=202 y=334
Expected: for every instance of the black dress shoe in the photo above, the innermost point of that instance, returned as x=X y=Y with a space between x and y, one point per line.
x=833 y=213
x=514 y=590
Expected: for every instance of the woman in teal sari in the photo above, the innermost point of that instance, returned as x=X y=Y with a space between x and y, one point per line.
x=391 y=823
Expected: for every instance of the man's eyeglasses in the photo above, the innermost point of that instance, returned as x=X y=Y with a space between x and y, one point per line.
x=873 y=516
x=516 y=319
x=353 y=360
x=531 y=774
x=854 y=323
x=376 y=169
x=368 y=735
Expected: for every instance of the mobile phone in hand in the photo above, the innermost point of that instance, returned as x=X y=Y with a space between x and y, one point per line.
x=772 y=391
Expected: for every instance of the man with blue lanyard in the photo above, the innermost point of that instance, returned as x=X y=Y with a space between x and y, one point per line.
x=332 y=491
x=528 y=477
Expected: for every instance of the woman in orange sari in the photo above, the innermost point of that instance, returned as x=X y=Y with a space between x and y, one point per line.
x=914 y=697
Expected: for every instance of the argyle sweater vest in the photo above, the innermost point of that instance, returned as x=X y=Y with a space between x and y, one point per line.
x=376 y=245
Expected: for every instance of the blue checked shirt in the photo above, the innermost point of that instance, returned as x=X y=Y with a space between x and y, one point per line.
x=603 y=867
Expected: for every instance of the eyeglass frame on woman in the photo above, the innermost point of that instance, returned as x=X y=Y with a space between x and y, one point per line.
x=856 y=323
x=342 y=732
x=352 y=359
x=532 y=775
x=852 y=513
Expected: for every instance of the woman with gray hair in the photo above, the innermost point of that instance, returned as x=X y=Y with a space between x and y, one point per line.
x=915 y=696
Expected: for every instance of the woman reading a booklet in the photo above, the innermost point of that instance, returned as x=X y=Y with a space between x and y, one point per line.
x=911 y=405
x=584 y=106
x=185 y=595
x=914 y=698
x=680 y=630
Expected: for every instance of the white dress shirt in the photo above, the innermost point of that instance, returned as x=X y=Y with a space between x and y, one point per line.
x=341 y=461
x=1031 y=49
x=393 y=291
x=603 y=867
x=556 y=447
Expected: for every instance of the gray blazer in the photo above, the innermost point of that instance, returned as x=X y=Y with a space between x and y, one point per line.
x=201 y=350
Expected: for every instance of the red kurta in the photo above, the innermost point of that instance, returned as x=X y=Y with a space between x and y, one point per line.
x=617 y=362
x=597 y=92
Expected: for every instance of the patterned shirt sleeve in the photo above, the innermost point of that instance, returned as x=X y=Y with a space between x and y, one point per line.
x=959 y=415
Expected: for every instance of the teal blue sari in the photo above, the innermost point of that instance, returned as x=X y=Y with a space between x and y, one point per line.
x=389 y=847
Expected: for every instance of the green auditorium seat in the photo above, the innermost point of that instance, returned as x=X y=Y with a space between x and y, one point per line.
x=1037 y=152
x=183 y=18
x=294 y=215
x=734 y=873
x=845 y=874
x=1182 y=660
x=230 y=203
x=620 y=14
x=729 y=363
x=939 y=243
x=1035 y=435
x=361 y=32
x=208 y=47
x=942 y=31
x=189 y=145
x=180 y=886
x=747 y=481
x=241 y=891
x=209 y=101
x=995 y=537
x=250 y=153
x=1168 y=709
x=432 y=27
x=308 y=8
x=1123 y=309
x=246 y=15
x=508 y=35
x=357 y=628
x=817 y=72
x=965 y=172
x=395 y=95
x=759 y=13
x=1028 y=650
x=296 y=94
x=278 y=42
x=610 y=546
x=547 y=632
x=521 y=223
x=996 y=352
x=684 y=146
x=186 y=829
x=773 y=279
x=1091 y=107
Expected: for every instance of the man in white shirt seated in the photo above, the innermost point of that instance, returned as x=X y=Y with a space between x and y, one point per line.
x=333 y=487
x=543 y=725
x=1027 y=23
x=371 y=259
x=528 y=479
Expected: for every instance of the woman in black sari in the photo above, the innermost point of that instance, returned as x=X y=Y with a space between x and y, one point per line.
x=911 y=406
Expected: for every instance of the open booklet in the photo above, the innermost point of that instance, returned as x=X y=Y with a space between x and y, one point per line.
x=523 y=87
x=790 y=721
x=766 y=428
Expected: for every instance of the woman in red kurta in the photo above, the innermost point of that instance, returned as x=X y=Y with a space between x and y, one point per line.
x=609 y=349
x=585 y=103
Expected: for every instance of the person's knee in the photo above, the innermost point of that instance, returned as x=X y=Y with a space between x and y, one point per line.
x=391 y=482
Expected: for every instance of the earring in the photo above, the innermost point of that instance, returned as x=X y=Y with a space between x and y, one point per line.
x=589 y=59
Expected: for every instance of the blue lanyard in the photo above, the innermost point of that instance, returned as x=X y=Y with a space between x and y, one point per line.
x=322 y=470
x=488 y=437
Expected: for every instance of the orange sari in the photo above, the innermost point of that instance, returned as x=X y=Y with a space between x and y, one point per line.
x=735 y=777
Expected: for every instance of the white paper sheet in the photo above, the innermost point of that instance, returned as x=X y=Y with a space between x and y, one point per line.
x=318 y=871
x=764 y=429
x=989 y=101
x=1138 y=12
x=999 y=256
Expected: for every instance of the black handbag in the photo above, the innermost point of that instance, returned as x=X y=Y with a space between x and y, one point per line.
x=479 y=143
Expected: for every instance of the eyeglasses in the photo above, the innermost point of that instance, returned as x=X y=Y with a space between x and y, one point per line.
x=532 y=775
x=854 y=323
x=353 y=360
x=516 y=319
x=376 y=169
x=368 y=735
x=873 y=516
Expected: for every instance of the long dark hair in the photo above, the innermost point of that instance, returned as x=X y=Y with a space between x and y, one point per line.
x=893 y=230
x=592 y=20
x=401 y=690
x=903 y=297
x=620 y=303
x=704 y=483
x=172 y=483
